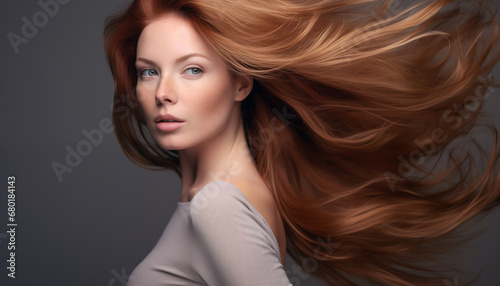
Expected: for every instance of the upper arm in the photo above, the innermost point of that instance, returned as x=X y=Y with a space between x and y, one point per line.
x=234 y=246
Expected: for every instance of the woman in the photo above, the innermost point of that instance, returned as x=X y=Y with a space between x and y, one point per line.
x=305 y=127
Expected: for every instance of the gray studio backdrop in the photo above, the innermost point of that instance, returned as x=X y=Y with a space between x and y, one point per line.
x=94 y=223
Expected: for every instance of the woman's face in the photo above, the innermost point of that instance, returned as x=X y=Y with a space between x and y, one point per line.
x=179 y=76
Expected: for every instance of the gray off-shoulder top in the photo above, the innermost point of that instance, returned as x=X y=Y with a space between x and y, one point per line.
x=216 y=239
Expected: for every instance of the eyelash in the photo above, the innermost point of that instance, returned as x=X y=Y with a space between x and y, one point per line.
x=196 y=68
x=140 y=72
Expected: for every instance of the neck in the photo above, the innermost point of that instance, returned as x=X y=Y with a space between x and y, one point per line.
x=224 y=157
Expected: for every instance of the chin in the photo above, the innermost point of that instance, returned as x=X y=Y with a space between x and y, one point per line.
x=172 y=145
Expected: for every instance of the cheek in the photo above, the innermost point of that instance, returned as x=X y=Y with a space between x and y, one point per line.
x=215 y=102
x=217 y=92
x=145 y=98
x=147 y=110
x=146 y=89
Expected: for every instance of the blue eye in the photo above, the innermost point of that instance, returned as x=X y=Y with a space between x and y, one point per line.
x=194 y=71
x=148 y=73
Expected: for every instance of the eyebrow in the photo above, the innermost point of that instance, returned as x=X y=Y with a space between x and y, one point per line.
x=186 y=57
x=179 y=60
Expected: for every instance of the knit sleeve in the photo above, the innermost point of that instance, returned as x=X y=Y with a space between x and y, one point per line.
x=235 y=245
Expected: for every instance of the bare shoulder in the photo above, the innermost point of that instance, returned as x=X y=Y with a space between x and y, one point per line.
x=255 y=192
x=259 y=195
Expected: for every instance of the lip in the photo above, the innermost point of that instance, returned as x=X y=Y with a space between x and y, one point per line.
x=163 y=125
x=167 y=117
x=168 y=126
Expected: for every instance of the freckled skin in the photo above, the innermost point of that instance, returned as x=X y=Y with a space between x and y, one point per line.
x=198 y=90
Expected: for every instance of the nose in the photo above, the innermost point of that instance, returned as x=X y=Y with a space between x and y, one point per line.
x=165 y=93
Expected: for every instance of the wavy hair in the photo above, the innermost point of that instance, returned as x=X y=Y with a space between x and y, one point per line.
x=354 y=108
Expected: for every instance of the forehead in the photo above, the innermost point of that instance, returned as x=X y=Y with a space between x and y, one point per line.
x=171 y=34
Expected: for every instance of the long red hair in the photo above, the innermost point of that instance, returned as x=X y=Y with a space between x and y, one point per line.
x=352 y=113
